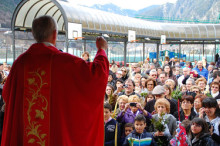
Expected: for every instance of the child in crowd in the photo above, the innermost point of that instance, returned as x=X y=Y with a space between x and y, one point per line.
x=199 y=129
x=139 y=137
x=112 y=130
x=129 y=127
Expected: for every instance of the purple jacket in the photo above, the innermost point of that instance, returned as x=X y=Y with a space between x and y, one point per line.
x=129 y=117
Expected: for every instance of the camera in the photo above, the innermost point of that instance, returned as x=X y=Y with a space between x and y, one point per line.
x=125 y=86
x=133 y=104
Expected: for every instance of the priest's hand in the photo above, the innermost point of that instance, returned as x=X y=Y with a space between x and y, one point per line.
x=101 y=43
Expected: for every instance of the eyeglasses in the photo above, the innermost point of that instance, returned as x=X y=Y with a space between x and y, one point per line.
x=150 y=84
x=153 y=75
x=214 y=87
x=123 y=70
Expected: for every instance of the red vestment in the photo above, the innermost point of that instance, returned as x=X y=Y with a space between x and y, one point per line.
x=54 y=98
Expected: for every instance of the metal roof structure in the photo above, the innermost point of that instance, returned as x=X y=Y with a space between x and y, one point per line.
x=96 y=21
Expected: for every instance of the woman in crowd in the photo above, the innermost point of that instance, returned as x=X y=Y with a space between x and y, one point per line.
x=159 y=71
x=189 y=65
x=201 y=82
x=137 y=86
x=168 y=70
x=211 y=114
x=186 y=111
x=168 y=92
x=150 y=84
x=121 y=101
x=198 y=102
x=171 y=83
x=199 y=129
x=162 y=107
x=196 y=89
x=183 y=88
x=132 y=109
x=143 y=86
x=109 y=96
x=148 y=98
x=215 y=90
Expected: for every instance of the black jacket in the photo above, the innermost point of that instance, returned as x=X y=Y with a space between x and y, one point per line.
x=203 y=140
x=218 y=96
x=182 y=116
x=110 y=131
x=150 y=106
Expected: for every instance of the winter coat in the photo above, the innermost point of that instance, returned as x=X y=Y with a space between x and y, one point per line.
x=182 y=116
x=171 y=122
x=143 y=139
x=204 y=72
x=129 y=116
x=203 y=140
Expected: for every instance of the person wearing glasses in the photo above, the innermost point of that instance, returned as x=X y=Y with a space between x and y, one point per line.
x=215 y=90
x=124 y=73
x=150 y=84
x=153 y=74
x=196 y=89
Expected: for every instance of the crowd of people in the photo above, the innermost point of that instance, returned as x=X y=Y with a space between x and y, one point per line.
x=176 y=103
x=141 y=108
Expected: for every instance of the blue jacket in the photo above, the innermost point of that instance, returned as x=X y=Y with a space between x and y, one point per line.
x=143 y=139
x=204 y=72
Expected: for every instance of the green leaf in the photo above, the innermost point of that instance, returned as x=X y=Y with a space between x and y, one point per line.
x=43 y=135
x=31 y=140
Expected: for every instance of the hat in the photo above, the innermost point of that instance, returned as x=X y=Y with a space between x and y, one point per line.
x=158 y=90
x=119 y=72
x=137 y=65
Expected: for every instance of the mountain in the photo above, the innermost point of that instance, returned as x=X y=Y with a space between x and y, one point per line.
x=125 y=12
x=114 y=9
x=207 y=10
x=6 y=10
x=182 y=9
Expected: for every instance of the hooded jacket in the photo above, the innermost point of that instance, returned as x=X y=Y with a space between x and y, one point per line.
x=143 y=139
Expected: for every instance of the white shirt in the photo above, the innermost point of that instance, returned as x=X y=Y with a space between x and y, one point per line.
x=180 y=80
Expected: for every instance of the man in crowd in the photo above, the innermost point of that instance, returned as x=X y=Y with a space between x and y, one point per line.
x=201 y=70
x=156 y=63
x=129 y=88
x=162 y=78
x=185 y=73
x=153 y=74
x=45 y=90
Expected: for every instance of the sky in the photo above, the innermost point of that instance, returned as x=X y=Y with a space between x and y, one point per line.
x=125 y=4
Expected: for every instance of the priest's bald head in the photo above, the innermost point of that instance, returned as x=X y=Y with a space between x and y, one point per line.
x=44 y=29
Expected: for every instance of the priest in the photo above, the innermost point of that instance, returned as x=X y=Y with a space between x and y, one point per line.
x=54 y=98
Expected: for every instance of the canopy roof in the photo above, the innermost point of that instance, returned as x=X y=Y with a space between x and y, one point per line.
x=96 y=21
